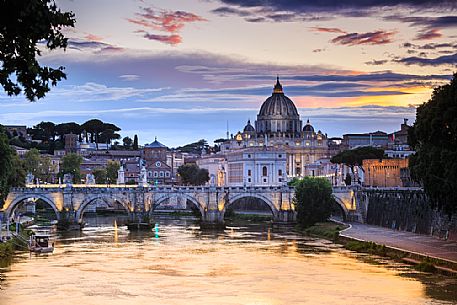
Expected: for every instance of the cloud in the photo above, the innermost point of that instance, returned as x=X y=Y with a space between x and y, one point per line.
x=168 y=39
x=93 y=37
x=318 y=50
x=428 y=34
x=327 y=30
x=431 y=46
x=129 y=77
x=166 y=21
x=427 y=22
x=372 y=38
x=299 y=10
x=376 y=62
x=438 y=61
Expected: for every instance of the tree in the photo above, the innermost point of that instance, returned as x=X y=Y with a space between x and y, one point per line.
x=434 y=138
x=111 y=171
x=71 y=164
x=135 y=142
x=66 y=128
x=191 y=174
x=99 y=175
x=6 y=165
x=32 y=162
x=196 y=147
x=17 y=176
x=313 y=200
x=94 y=127
x=23 y=25
x=355 y=157
x=127 y=141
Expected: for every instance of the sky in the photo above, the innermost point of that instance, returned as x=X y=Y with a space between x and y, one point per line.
x=185 y=70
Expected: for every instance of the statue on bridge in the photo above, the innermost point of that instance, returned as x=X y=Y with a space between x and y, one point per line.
x=143 y=179
x=29 y=179
x=120 y=176
x=90 y=179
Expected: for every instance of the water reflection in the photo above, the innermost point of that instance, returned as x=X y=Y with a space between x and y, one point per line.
x=180 y=264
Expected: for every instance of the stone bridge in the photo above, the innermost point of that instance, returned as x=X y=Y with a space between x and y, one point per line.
x=70 y=201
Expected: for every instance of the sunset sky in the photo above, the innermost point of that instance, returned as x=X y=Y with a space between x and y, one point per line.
x=180 y=70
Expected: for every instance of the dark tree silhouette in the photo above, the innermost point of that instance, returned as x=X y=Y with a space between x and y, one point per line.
x=434 y=138
x=24 y=24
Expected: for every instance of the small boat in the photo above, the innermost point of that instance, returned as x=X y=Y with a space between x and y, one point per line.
x=140 y=226
x=39 y=243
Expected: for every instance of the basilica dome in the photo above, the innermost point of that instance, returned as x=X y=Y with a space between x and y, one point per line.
x=308 y=127
x=278 y=116
x=278 y=104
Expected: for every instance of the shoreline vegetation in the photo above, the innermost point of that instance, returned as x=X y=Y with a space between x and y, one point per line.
x=331 y=231
x=9 y=247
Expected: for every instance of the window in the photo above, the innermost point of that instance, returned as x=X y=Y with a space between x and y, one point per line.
x=264 y=171
x=161 y=174
x=280 y=172
x=249 y=180
x=279 y=156
x=149 y=174
x=156 y=174
x=249 y=172
x=167 y=174
x=249 y=156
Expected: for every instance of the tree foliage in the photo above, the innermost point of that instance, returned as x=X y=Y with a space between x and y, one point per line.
x=191 y=174
x=24 y=24
x=71 y=164
x=38 y=165
x=99 y=175
x=195 y=148
x=6 y=165
x=355 y=157
x=135 y=142
x=434 y=138
x=111 y=171
x=313 y=200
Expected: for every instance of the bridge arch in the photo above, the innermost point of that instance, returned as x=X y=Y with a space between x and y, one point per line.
x=192 y=199
x=266 y=200
x=340 y=204
x=18 y=200
x=105 y=197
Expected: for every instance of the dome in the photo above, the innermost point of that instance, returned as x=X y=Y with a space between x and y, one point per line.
x=308 y=127
x=155 y=144
x=278 y=104
x=249 y=128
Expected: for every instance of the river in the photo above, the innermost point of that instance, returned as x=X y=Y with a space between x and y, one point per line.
x=245 y=264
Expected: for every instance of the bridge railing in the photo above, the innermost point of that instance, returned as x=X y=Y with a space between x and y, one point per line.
x=48 y=187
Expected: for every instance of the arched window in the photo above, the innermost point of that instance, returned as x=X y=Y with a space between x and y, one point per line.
x=264 y=171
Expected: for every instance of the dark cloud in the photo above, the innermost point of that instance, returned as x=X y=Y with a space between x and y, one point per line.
x=336 y=5
x=327 y=30
x=330 y=89
x=227 y=10
x=431 y=46
x=427 y=22
x=80 y=44
x=442 y=60
x=168 y=39
x=428 y=34
x=373 y=38
x=279 y=10
x=375 y=62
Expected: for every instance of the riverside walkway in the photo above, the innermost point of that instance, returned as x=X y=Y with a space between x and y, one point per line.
x=406 y=241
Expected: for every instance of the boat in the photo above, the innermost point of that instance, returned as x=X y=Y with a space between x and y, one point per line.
x=39 y=243
x=140 y=226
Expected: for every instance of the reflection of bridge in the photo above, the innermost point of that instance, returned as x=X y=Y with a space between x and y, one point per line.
x=212 y=202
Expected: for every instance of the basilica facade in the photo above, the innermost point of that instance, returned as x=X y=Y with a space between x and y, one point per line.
x=278 y=129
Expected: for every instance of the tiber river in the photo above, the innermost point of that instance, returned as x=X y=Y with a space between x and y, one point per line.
x=245 y=264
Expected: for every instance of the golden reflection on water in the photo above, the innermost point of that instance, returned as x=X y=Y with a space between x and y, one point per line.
x=186 y=266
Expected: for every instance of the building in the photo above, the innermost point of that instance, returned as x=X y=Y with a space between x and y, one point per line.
x=17 y=131
x=385 y=172
x=254 y=166
x=279 y=127
x=378 y=139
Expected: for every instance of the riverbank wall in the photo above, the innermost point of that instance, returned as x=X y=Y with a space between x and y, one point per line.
x=405 y=210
